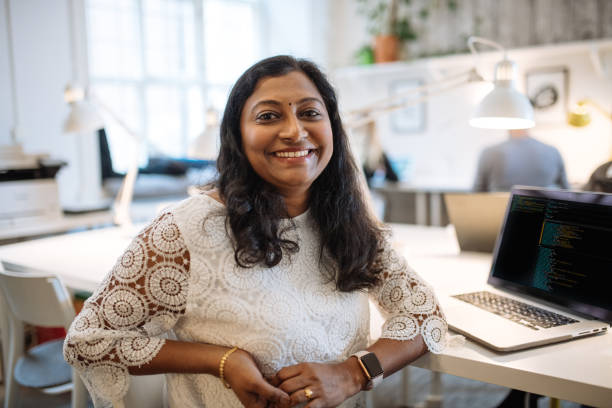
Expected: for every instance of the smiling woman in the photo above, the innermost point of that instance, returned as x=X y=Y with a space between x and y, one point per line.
x=287 y=135
x=264 y=279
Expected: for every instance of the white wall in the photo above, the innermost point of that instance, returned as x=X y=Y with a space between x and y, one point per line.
x=297 y=27
x=42 y=68
x=347 y=33
x=446 y=152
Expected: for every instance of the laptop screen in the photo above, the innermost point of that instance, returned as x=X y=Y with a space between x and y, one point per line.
x=557 y=246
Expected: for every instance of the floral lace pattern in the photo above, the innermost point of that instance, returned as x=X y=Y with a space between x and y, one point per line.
x=142 y=297
x=179 y=274
x=408 y=303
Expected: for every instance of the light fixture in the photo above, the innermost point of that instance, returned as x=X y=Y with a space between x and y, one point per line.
x=580 y=116
x=504 y=107
x=83 y=118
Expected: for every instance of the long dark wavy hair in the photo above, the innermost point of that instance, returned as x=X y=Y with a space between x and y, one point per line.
x=349 y=234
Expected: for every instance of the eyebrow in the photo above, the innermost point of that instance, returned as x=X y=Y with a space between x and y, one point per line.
x=277 y=103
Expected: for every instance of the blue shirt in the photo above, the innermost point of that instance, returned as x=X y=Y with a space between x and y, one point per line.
x=523 y=161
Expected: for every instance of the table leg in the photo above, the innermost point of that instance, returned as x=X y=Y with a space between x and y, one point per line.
x=435 y=209
x=435 y=397
x=421 y=207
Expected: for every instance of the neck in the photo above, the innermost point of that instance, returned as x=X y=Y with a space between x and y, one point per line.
x=296 y=201
x=518 y=133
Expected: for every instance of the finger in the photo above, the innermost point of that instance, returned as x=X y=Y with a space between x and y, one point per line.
x=271 y=393
x=294 y=384
x=289 y=371
x=315 y=403
x=275 y=381
x=300 y=395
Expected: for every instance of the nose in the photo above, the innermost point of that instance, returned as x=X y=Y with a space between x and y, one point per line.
x=293 y=130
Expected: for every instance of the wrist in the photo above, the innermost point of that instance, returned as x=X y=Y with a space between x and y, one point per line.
x=356 y=376
x=222 y=366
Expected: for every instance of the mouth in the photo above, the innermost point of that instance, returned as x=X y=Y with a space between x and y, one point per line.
x=293 y=154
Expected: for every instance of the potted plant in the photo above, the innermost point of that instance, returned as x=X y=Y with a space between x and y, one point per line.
x=389 y=28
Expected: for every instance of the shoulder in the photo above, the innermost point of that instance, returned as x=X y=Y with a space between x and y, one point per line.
x=544 y=146
x=201 y=203
x=198 y=215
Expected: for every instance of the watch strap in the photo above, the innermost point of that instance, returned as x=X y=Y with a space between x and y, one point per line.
x=372 y=381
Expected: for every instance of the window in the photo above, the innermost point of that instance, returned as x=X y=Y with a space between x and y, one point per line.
x=159 y=64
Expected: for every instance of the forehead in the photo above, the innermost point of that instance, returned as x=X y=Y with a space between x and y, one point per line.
x=290 y=87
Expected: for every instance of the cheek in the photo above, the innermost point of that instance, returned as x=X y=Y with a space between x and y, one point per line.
x=254 y=141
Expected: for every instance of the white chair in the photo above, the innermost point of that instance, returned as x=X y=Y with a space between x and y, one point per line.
x=40 y=300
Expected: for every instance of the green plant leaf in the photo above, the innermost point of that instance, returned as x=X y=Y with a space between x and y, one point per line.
x=404 y=31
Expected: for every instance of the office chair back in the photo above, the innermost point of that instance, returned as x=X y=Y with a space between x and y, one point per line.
x=37 y=299
x=41 y=300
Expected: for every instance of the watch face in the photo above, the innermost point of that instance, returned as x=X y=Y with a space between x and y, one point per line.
x=372 y=364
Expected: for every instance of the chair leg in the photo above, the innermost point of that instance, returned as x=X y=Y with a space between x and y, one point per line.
x=15 y=351
x=79 y=392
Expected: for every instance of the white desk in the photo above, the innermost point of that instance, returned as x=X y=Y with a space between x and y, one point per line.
x=579 y=370
x=81 y=259
x=63 y=224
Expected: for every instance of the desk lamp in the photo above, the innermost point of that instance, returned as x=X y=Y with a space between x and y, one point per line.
x=83 y=118
x=504 y=107
x=580 y=115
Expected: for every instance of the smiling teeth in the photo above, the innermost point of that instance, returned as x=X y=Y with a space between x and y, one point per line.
x=292 y=154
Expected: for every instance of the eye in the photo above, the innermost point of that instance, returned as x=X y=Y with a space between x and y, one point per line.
x=266 y=116
x=311 y=114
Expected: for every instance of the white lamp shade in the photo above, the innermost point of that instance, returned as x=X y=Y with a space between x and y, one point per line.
x=83 y=118
x=504 y=108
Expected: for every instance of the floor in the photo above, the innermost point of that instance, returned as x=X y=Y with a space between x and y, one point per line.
x=458 y=393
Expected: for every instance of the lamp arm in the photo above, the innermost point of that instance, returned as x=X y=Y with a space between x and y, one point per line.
x=467 y=76
x=472 y=40
x=362 y=116
x=596 y=105
x=123 y=201
x=116 y=118
x=11 y=69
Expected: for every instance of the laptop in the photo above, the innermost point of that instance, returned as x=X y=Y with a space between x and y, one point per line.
x=548 y=280
x=477 y=218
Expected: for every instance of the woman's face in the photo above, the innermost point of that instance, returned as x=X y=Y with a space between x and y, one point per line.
x=286 y=132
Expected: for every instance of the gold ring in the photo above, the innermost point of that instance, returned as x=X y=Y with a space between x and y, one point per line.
x=308 y=393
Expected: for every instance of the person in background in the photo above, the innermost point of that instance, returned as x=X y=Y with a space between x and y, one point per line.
x=262 y=281
x=601 y=179
x=520 y=160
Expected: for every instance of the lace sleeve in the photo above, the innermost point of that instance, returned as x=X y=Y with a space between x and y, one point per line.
x=121 y=323
x=407 y=303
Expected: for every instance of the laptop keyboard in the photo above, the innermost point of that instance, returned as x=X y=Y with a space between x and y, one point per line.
x=522 y=313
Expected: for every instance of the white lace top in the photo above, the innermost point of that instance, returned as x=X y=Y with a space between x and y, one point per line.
x=179 y=276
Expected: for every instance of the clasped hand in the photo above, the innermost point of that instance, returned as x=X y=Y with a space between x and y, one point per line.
x=330 y=384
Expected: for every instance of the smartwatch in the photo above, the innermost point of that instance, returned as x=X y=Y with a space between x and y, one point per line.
x=371 y=368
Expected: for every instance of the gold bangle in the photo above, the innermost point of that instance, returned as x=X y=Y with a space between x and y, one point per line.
x=222 y=365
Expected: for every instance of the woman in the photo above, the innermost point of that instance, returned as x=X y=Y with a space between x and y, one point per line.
x=264 y=280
